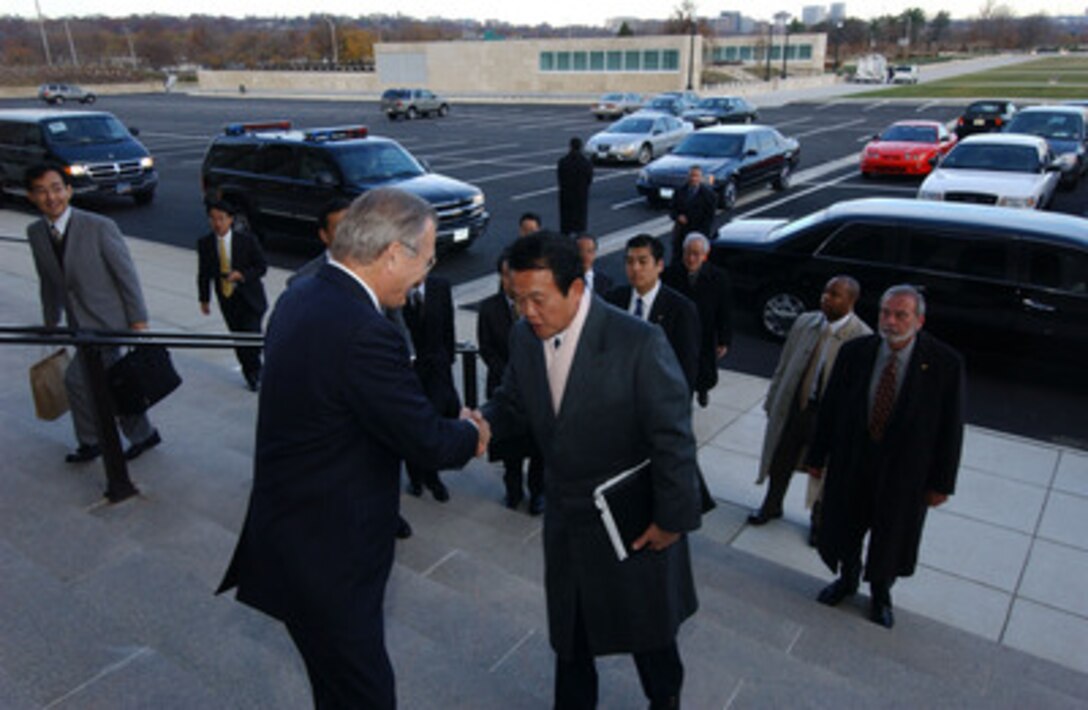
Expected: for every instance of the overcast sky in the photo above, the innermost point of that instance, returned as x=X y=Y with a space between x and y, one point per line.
x=557 y=12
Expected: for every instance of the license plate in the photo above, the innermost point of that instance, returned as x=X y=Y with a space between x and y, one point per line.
x=123 y=188
x=666 y=193
x=460 y=235
x=980 y=121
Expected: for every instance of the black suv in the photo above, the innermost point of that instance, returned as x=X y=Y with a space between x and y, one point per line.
x=98 y=151
x=994 y=277
x=279 y=179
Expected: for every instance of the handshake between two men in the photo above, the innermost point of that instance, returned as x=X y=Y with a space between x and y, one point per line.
x=484 y=429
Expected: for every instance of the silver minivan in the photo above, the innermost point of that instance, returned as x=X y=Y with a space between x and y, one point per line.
x=413 y=103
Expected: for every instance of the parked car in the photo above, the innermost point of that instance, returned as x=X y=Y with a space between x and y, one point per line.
x=985 y=117
x=905 y=74
x=721 y=109
x=56 y=94
x=279 y=179
x=639 y=138
x=733 y=158
x=906 y=148
x=616 y=105
x=412 y=103
x=1065 y=129
x=993 y=277
x=674 y=102
x=102 y=155
x=1004 y=169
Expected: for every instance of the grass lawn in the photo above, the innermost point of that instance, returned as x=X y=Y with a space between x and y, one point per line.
x=1050 y=78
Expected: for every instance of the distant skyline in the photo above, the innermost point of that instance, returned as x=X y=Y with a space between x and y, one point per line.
x=560 y=12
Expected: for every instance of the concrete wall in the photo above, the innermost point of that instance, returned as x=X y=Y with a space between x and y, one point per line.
x=25 y=92
x=363 y=83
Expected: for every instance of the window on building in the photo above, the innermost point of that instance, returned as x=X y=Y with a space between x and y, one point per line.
x=804 y=51
x=562 y=61
x=651 y=60
x=632 y=61
x=581 y=61
x=596 y=61
x=670 y=60
x=615 y=61
x=547 y=61
x=746 y=53
x=776 y=51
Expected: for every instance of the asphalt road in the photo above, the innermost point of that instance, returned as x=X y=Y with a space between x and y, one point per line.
x=510 y=152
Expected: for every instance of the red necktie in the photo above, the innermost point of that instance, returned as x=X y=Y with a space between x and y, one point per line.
x=884 y=400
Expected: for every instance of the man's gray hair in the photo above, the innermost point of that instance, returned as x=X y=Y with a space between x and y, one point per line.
x=377 y=219
x=906 y=290
x=696 y=237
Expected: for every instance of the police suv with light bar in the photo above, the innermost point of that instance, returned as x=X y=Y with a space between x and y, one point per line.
x=278 y=178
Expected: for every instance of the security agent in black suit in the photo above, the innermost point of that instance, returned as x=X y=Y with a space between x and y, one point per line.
x=597 y=281
x=708 y=286
x=693 y=208
x=497 y=316
x=575 y=174
x=235 y=263
x=428 y=313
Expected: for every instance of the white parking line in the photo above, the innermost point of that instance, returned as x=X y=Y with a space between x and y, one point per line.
x=827 y=129
x=182 y=136
x=794 y=196
x=504 y=161
x=878 y=104
x=926 y=106
x=513 y=173
x=546 y=190
x=628 y=203
x=476 y=148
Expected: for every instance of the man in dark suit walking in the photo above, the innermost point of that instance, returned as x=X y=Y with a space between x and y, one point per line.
x=86 y=274
x=693 y=208
x=340 y=409
x=598 y=282
x=645 y=297
x=708 y=286
x=497 y=316
x=568 y=383
x=575 y=174
x=234 y=262
x=889 y=434
x=327 y=220
x=428 y=314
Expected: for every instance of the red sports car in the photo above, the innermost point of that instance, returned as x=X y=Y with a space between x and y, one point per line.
x=906 y=148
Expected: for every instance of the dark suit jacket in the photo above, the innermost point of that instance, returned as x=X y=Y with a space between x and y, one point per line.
x=713 y=298
x=310 y=268
x=574 y=173
x=246 y=256
x=604 y=426
x=698 y=206
x=920 y=451
x=431 y=327
x=677 y=316
x=602 y=283
x=340 y=408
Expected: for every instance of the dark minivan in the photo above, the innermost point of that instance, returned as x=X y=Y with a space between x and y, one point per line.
x=994 y=277
x=101 y=155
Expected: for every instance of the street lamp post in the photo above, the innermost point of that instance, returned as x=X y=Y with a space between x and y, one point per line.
x=838 y=41
x=691 y=52
x=770 y=44
x=332 y=39
x=781 y=19
x=41 y=28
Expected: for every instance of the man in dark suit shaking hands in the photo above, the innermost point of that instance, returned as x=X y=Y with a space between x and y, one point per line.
x=234 y=261
x=340 y=408
x=568 y=382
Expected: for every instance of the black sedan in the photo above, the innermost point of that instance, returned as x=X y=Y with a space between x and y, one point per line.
x=732 y=158
x=721 y=109
x=993 y=277
x=985 y=117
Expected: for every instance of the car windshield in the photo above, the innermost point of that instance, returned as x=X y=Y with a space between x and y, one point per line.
x=376 y=163
x=910 y=134
x=612 y=98
x=986 y=108
x=632 y=125
x=1060 y=126
x=711 y=145
x=1006 y=158
x=662 y=103
x=85 y=130
x=714 y=103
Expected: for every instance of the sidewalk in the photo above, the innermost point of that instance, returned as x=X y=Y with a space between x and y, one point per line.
x=111 y=606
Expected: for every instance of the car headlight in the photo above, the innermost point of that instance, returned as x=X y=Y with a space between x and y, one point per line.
x=77 y=170
x=478 y=199
x=147 y=162
x=1020 y=202
x=930 y=195
x=872 y=153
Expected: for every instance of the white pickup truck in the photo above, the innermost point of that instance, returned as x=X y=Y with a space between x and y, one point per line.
x=905 y=74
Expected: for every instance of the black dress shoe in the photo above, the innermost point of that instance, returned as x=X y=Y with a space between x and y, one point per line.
x=85 y=453
x=702 y=398
x=148 y=443
x=440 y=492
x=415 y=489
x=835 y=592
x=813 y=537
x=511 y=502
x=253 y=383
x=536 y=504
x=758 y=517
x=881 y=613
x=404 y=530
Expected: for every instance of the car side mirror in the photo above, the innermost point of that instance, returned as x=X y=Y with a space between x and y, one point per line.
x=134 y=130
x=933 y=161
x=751 y=151
x=876 y=136
x=326 y=179
x=1054 y=166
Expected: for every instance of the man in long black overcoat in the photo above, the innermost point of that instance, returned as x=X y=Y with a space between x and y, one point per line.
x=575 y=174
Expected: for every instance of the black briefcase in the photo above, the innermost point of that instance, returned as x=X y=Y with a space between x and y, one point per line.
x=141 y=378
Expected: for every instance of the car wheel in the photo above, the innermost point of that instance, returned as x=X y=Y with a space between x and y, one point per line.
x=778 y=309
x=443 y=111
x=144 y=197
x=785 y=176
x=645 y=154
x=89 y=99
x=727 y=200
x=411 y=114
x=866 y=176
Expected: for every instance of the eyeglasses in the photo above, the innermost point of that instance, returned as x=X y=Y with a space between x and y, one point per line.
x=415 y=251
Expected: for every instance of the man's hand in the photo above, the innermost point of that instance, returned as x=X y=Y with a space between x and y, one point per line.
x=235 y=277
x=933 y=498
x=816 y=473
x=655 y=538
x=681 y=219
x=721 y=350
x=205 y=308
x=139 y=325
x=482 y=426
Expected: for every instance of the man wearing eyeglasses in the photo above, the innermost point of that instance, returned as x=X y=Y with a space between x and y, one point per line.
x=340 y=409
